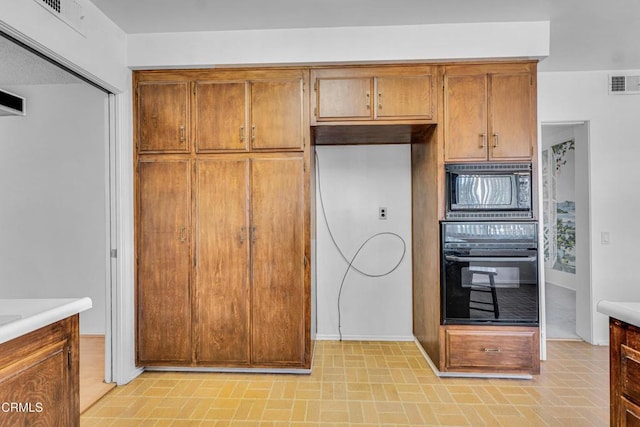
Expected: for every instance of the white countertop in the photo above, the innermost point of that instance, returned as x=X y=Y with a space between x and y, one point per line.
x=21 y=316
x=628 y=312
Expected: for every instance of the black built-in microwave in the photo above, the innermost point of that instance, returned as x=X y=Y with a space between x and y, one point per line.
x=488 y=191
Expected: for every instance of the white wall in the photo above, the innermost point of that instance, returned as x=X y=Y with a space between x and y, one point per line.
x=52 y=198
x=355 y=182
x=344 y=44
x=613 y=138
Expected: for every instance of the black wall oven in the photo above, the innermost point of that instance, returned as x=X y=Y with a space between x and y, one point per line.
x=489 y=273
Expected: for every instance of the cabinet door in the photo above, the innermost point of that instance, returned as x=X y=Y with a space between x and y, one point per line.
x=163 y=117
x=220 y=116
x=276 y=114
x=630 y=414
x=343 y=99
x=222 y=254
x=465 y=117
x=278 y=310
x=510 y=117
x=403 y=97
x=164 y=304
x=42 y=383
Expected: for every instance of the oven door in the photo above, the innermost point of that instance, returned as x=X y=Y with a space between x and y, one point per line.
x=490 y=286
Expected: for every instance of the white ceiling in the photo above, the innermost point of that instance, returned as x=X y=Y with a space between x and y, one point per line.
x=585 y=34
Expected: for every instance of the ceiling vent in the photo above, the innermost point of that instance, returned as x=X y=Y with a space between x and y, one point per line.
x=69 y=11
x=624 y=84
x=11 y=105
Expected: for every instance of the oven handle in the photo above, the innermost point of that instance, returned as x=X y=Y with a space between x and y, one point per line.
x=489 y=259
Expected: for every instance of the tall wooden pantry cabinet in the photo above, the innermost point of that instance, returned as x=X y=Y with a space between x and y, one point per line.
x=223 y=219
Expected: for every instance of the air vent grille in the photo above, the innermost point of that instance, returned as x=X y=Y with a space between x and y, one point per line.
x=624 y=84
x=11 y=104
x=70 y=12
x=488 y=215
x=53 y=4
x=470 y=167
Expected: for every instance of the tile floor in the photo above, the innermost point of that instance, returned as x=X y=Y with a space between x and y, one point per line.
x=368 y=384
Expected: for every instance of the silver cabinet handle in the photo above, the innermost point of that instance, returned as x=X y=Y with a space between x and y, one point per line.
x=368 y=101
x=484 y=140
x=253 y=133
x=492 y=350
x=495 y=140
x=379 y=100
x=243 y=230
x=183 y=234
x=182 y=133
x=242 y=133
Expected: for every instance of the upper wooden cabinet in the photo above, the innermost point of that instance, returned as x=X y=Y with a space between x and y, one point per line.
x=216 y=111
x=249 y=115
x=163 y=117
x=221 y=116
x=489 y=112
x=378 y=94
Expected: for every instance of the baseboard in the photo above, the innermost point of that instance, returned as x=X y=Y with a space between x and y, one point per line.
x=559 y=285
x=231 y=370
x=92 y=336
x=336 y=337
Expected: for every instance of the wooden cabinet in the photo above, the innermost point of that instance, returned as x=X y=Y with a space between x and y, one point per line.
x=223 y=294
x=163 y=117
x=277 y=114
x=164 y=261
x=489 y=112
x=278 y=261
x=223 y=231
x=220 y=116
x=250 y=252
x=489 y=349
x=624 y=365
x=249 y=115
x=39 y=383
x=373 y=94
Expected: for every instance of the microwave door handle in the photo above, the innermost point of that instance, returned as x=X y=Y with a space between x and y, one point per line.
x=489 y=259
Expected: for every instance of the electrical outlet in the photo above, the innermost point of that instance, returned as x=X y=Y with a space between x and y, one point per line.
x=382 y=213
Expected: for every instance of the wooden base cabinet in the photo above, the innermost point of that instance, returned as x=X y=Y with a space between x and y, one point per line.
x=624 y=365
x=489 y=349
x=39 y=377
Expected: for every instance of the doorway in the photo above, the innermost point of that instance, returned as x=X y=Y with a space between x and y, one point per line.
x=55 y=198
x=564 y=166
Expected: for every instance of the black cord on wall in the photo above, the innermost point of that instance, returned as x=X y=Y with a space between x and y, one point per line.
x=350 y=262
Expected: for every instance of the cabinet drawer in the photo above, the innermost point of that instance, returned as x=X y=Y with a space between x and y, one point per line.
x=491 y=349
x=630 y=416
x=630 y=373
